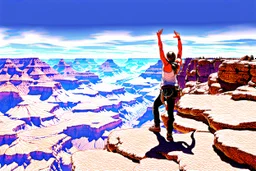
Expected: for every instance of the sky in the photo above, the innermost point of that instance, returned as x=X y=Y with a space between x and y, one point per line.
x=126 y=28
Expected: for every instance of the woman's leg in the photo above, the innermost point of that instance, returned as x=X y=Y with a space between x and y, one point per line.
x=170 y=103
x=156 y=105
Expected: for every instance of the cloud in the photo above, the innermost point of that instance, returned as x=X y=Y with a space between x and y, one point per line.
x=232 y=34
x=123 y=36
x=230 y=42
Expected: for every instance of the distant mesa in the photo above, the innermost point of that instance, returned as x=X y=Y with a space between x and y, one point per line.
x=63 y=98
x=53 y=92
x=154 y=71
x=138 y=61
x=139 y=83
x=68 y=83
x=45 y=89
x=10 y=96
x=30 y=114
x=24 y=77
x=63 y=68
x=9 y=127
x=85 y=90
x=81 y=77
x=109 y=68
x=87 y=61
x=98 y=104
x=8 y=69
x=87 y=77
x=108 y=89
x=82 y=64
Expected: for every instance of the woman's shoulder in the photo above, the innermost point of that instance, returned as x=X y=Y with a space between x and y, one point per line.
x=167 y=68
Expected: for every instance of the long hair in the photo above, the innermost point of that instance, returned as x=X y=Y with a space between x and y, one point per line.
x=171 y=60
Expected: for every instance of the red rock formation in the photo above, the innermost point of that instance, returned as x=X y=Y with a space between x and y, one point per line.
x=235 y=73
x=193 y=87
x=199 y=69
x=191 y=71
x=247 y=58
x=252 y=66
x=219 y=111
x=239 y=145
x=244 y=93
x=182 y=74
x=214 y=86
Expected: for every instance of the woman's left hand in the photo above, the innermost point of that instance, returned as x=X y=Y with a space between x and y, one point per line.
x=177 y=35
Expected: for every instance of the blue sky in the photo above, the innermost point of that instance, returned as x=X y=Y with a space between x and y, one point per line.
x=125 y=29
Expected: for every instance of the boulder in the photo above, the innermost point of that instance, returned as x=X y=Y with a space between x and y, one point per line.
x=244 y=93
x=192 y=151
x=185 y=125
x=239 y=145
x=234 y=73
x=219 y=111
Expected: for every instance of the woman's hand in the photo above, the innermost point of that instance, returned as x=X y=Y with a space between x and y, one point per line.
x=159 y=33
x=177 y=35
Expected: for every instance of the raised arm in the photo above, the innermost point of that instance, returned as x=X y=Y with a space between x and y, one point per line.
x=179 y=59
x=177 y=35
x=160 y=45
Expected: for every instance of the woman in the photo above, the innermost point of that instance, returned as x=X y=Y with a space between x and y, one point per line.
x=171 y=66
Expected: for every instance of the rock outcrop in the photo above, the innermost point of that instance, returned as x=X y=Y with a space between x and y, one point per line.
x=244 y=93
x=237 y=145
x=220 y=112
x=185 y=124
x=188 y=150
x=221 y=75
x=235 y=73
x=100 y=160
x=181 y=77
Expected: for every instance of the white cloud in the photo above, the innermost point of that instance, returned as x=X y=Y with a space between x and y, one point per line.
x=212 y=44
x=234 y=33
x=124 y=36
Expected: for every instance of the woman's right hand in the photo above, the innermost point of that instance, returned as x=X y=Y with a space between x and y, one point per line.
x=159 y=32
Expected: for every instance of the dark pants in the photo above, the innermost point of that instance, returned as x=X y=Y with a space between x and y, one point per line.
x=157 y=104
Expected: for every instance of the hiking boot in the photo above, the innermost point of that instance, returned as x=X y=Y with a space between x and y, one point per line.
x=155 y=128
x=169 y=137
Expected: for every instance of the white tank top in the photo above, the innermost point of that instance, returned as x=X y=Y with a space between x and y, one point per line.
x=168 y=78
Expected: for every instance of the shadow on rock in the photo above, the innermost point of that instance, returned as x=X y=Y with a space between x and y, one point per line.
x=165 y=147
